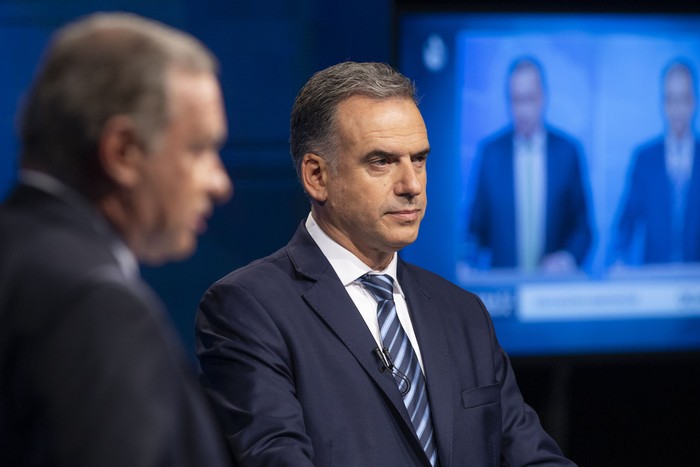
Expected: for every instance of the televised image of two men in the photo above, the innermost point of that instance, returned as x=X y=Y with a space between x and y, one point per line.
x=530 y=208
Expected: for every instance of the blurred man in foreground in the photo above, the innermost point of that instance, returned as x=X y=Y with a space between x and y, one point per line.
x=120 y=135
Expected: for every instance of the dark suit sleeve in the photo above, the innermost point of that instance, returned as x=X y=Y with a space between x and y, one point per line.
x=525 y=443
x=247 y=372
x=118 y=386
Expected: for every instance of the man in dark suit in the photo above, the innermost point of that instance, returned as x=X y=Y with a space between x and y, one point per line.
x=529 y=208
x=333 y=351
x=659 y=219
x=120 y=135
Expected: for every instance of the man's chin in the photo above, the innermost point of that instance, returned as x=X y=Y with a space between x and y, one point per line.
x=166 y=252
x=405 y=240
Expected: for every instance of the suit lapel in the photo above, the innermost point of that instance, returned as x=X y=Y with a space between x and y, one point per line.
x=331 y=302
x=430 y=333
x=329 y=299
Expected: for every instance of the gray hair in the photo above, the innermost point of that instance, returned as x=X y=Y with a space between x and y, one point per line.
x=313 y=121
x=104 y=65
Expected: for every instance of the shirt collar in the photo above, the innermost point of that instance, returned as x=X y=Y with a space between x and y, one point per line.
x=685 y=143
x=536 y=141
x=346 y=265
x=122 y=254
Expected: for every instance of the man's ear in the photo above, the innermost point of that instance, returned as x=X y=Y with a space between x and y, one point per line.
x=314 y=176
x=120 y=151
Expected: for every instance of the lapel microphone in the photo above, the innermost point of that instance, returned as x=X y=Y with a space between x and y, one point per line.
x=384 y=358
x=386 y=363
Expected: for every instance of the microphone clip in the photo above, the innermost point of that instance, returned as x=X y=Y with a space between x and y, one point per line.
x=387 y=364
x=384 y=359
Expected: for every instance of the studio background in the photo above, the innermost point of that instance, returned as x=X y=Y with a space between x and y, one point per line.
x=605 y=410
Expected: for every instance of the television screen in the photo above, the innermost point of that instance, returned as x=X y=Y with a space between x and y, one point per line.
x=564 y=175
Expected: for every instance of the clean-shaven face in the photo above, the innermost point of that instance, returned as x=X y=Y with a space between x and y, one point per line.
x=376 y=199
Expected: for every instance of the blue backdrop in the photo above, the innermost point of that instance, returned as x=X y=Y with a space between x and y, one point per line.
x=267 y=51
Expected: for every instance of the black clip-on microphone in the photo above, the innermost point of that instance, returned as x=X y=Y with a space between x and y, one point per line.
x=384 y=359
x=388 y=364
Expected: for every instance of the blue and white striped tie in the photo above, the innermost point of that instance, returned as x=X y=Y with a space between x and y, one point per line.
x=407 y=371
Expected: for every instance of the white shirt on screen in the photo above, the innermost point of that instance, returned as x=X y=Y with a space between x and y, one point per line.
x=529 y=170
x=679 y=158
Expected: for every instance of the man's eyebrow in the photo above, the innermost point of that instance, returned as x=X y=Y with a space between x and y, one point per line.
x=380 y=153
x=424 y=152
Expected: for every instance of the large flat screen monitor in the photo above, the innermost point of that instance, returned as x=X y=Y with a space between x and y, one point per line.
x=563 y=183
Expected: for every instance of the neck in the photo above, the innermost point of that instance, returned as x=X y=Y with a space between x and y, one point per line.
x=375 y=259
x=116 y=211
x=680 y=135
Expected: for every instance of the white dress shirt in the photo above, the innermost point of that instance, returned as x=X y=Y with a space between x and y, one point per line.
x=349 y=269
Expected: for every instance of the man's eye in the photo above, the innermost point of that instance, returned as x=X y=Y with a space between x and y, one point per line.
x=380 y=162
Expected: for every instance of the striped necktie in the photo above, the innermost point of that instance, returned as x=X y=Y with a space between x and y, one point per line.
x=406 y=368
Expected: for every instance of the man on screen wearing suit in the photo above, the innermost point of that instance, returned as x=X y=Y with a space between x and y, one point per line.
x=529 y=208
x=120 y=135
x=660 y=215
x=333 y=351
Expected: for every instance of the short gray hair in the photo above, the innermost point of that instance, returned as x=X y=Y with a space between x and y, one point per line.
x=313 y=123
x=103 y=65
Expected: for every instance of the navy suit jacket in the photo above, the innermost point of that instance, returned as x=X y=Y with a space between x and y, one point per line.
x=288 y=362
x=492 y=219
x=648 y=206
x=91 y=370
